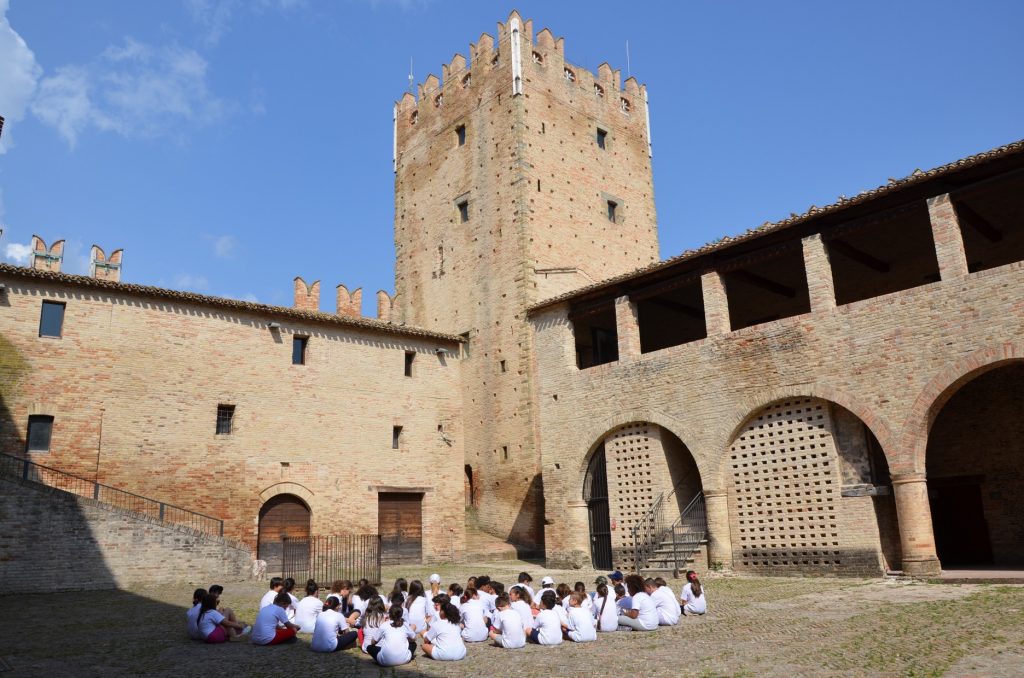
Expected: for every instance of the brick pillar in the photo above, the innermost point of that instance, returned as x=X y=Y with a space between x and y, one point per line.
x=716 y=304
x=571 y=547
x=819 y=274
x=949 y=241
x=719 y=535
x=915 y=520
x=627 y=328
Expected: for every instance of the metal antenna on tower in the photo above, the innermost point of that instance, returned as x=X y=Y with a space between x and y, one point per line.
x=628 y=72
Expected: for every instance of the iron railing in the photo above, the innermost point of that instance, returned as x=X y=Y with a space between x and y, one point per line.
x=672 y=538
x=19 y=467
x=326 y=558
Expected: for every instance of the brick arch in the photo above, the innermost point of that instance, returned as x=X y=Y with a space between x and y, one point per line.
x=749 y=407
x=300 y=491
x=599 y=430
x=943 y=386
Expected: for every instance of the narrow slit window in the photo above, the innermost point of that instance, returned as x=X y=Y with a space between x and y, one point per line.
x=299 y=346
x=40 y=431
x=504 y=452
x=396 y=437
x=225 y=416
x=51 y=319
x=410 y=356
x=503 y=367
x=464 y=211
x=613 y=211
x=602 y=138
x=460 y=134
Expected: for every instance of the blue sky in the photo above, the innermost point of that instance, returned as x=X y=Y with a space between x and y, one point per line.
x=229 y=146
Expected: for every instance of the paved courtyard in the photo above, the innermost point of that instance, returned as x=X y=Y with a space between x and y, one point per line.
x=755 y=627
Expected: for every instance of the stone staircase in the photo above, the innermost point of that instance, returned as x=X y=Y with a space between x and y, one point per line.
x=483 y=546
x=667 y=545
x=671 y=559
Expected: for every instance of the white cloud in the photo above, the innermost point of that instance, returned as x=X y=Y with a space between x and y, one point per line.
x=248 y=296
x=223 y=245
x=187 y=281
x=134 y=89
x=19 y=73
x=213 y=17
x=17 y=253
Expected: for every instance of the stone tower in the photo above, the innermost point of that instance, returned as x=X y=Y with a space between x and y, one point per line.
x=518 y=176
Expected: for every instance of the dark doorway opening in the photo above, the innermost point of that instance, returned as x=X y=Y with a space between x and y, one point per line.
x=400 y=525
x=283 y=516
x=595 y=493
x=958 y=517
x=470 y=487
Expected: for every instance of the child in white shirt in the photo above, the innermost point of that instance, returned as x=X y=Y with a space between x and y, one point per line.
x=396 y=642
x=547 y=628
x=372 y=621
x=642 y=615
x=508 y=630
x=307 y=609
x=519 y=600
x=474 y=627
x=579 y=626
x=443 y=640
x=692 y=595
x=192 y=616
x=605 y=610
x=276 y=584
x=417 y=607
x=331 y=631
x=664 y=602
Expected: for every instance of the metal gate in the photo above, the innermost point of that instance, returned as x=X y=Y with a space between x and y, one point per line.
x=326 y=558
x=595 y=493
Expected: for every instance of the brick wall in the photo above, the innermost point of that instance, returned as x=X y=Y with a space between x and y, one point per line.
x=533 y=178
x=134 y=384
x=55 y=541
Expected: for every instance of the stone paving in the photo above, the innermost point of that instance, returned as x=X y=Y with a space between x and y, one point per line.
x=754 y=627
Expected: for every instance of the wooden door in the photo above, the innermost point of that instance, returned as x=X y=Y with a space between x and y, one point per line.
x=400 y=524
x=282 y=516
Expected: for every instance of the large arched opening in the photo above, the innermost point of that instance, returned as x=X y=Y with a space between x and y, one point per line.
x=809 y=492
x=644 y=500
x=975 y=470
x=282 y=516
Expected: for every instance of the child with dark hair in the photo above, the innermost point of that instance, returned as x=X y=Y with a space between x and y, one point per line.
x=519 y=600
x=229 y=614
x=641 y=615
x=272 y=626
x=579 y=624
x=455 y=595
x=417 y=607
x=473 y=622
x=213 y=626
x=396 y=643
x=308 y=608
x=289 y=586
x=508 y=630
x=371 y=622
x=525 y=580
x=604 y=609
x=192 y=616
x=692 y=595
x=443 y=640
x=547 y=628
x=360 y=599
x=331 y=631
x=401 y=586
x=276 y=584
x=342 y=590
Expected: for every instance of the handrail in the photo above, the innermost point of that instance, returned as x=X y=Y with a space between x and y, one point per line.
x=26 y=469
x=654 y=528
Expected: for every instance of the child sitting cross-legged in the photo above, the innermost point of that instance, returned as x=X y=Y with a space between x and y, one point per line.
x=507 y=628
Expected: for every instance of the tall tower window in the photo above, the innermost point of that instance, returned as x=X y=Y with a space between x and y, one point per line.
x=613 y=211
x=460 y=134
x=569 y=75
x=602 y=138
x=464 y=211
x=299 y=345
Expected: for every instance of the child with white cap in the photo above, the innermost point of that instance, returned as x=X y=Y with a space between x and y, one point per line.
x=547 y=584
x=435 y=589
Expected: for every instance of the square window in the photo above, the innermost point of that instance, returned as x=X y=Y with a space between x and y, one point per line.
x=613 y=210
x=410 y=356
x=40 y=430
x=602 y=138
x=51 y=320
x=396 y=437
x=464 y=211
x=460 y=134
x=225 y=414
x=299 y=345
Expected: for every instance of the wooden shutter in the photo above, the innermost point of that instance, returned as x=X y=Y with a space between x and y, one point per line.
x=400 y=524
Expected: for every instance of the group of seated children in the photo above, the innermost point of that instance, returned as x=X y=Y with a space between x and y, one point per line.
x=386 y=627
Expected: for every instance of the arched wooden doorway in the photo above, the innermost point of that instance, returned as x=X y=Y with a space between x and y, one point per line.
x=282 y=516
x=595 y=493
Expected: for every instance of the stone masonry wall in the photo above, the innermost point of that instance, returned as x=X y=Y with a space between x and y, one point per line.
x=134 y=384
x=476 y=277
x=55 y=541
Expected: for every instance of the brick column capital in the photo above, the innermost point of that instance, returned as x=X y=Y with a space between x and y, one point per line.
x=903 y=478
x=709 y=494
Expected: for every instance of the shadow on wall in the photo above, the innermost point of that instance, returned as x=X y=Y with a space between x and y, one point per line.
x=527 y=533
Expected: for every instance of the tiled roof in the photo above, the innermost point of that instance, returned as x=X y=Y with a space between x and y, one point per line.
x=221 y=302
x=917 y=177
